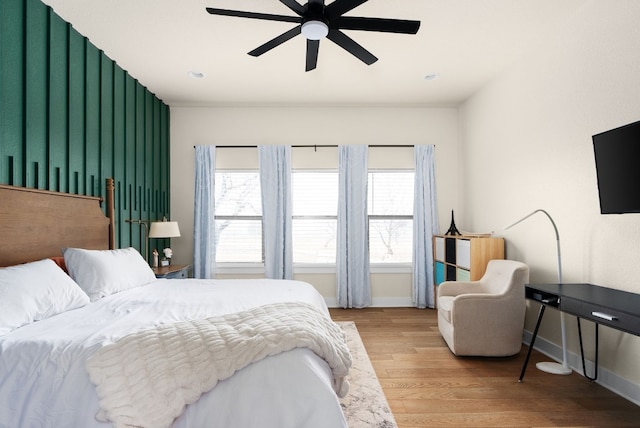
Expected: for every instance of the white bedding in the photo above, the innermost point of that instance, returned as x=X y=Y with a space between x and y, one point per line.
x=44 y=382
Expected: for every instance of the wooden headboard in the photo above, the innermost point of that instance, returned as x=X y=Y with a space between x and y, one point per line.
x=37 y=224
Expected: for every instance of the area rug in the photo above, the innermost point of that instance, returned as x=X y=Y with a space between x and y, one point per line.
x=365 y=406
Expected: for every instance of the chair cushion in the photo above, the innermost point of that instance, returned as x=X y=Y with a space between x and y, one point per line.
x=445 y=303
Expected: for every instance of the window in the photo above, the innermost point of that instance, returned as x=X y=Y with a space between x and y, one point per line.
x=238 y=217
x=315 y=211
x=390 y=208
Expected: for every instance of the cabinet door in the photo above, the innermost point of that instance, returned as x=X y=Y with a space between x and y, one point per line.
x=439 y=248
x=451 y=272
x=439 y=273
x=463 y=275
x=463 y=253
x=450 y=250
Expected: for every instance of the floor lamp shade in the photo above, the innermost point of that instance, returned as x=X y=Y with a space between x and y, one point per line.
x=552 y=367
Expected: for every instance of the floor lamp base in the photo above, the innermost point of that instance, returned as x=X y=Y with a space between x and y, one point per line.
x=554 y=368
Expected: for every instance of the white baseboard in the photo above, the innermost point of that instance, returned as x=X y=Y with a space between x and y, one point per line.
x=606 y=378
x=378 y=302
x=392 y=302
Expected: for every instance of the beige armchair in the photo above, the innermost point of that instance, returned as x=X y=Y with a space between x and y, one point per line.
x=485 y=317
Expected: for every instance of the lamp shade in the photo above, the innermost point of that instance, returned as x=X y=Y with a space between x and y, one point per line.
x=164 y=229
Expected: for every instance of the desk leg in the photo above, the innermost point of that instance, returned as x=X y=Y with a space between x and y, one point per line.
x=584 y=369
x=533 y=340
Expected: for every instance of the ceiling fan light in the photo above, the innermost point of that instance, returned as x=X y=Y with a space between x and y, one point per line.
x=315 y=30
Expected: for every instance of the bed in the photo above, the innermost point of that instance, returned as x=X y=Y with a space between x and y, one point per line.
x=104 y=344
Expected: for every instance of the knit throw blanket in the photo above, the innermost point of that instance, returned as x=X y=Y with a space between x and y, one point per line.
x=146 y=379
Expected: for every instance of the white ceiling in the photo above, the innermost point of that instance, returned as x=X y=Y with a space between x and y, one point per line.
x=467 y=42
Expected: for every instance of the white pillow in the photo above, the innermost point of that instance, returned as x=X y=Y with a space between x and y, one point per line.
x=103 y=272
x=35 y=291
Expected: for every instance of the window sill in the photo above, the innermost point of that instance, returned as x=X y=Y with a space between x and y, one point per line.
x=310 y=268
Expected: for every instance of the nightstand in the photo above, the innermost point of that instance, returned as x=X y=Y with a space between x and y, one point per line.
x=172 y=271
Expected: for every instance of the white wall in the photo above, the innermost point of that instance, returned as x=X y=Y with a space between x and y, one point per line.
x=313 y=125
x=526 y=144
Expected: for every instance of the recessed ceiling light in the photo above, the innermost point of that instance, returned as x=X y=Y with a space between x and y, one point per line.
x=196 y=74
x=432 y=76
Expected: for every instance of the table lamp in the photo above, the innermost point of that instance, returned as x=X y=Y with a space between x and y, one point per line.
x=164 y=229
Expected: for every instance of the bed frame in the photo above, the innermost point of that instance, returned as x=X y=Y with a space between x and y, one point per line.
x=37 y=224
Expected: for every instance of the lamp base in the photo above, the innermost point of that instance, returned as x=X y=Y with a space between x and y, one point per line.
x=554 y=368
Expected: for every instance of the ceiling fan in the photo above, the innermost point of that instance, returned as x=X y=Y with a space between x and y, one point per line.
x=316 y=21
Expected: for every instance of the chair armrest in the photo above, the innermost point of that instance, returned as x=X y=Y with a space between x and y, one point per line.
x=455 y=288
x=486 y=309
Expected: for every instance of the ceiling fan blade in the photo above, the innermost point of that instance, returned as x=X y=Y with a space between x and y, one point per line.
x=376 y=24
x=254 y=15
x=312 y=54
x=348 y=44
x=339 y=7
x=276 y=41
x=294 y=6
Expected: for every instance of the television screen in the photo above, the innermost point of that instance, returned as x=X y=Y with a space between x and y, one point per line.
x=618 y=169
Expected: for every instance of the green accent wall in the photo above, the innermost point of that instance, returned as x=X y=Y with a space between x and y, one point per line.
x=70 y=117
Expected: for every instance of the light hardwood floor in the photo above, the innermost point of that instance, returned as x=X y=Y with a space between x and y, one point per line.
x=427 y=386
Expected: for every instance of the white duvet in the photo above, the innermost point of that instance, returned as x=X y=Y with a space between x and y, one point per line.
x=44 y=382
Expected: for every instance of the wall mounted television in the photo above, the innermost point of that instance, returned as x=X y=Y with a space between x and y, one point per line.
x=617 y=156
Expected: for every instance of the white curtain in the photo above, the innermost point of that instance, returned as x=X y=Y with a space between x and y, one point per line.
x=425 y=225
x=275 y=183
x=204 y=232
x=352 y=262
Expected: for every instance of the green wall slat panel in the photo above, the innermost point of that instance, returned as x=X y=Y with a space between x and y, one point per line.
x=123 y=228
x=141 y=154
x=130 y=153
x=71 y=117
x=58 y=103
x=164 y=158
x=106 y=117
x=148 y=148
x=156 y=155
x=77 y=110
x=130 y=137
x=92 y=122
x=36 y=108
x=12 y=44
x=118 y=124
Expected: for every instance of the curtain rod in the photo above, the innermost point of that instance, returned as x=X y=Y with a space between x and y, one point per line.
x=315 y=146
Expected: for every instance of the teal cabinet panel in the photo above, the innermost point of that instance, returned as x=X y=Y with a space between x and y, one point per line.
x=440 y=273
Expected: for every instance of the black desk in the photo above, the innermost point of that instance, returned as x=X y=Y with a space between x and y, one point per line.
x=613 y=308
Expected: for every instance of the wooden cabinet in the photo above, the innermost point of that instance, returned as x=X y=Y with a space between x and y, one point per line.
x=464 y=258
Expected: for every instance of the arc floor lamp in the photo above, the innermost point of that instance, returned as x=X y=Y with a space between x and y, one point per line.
x=553 y=367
